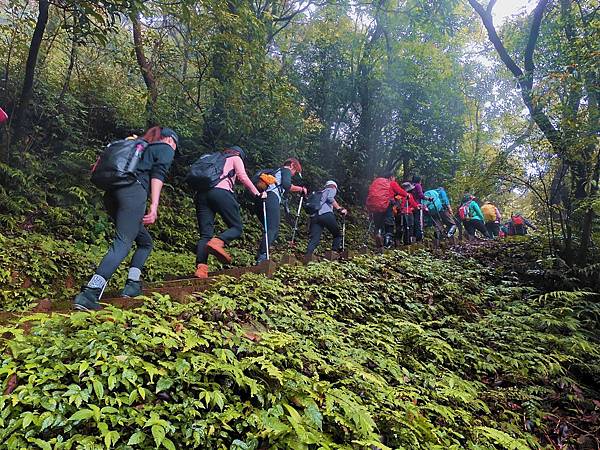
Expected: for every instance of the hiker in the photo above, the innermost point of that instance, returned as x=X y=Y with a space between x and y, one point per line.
x=405 y=209
x=126 y=206
x=492 y=217
x=379 y=203
x=517 y=225
x=3 y=116
x=419 y=196
x=325 y=218
x=471 y=216
x=439 y=211
x=219 y=198
x=276 y=183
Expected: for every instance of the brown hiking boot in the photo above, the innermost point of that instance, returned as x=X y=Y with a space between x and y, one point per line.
x=201 y=271
x=216 y=248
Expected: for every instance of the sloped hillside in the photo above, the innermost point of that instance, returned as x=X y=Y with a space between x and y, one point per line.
x=393 y=351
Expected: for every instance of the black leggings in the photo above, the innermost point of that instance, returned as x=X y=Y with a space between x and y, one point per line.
x=493 y=229
x=273 y=220
x=475 y=225
x=216 y=201
x=317 y=223
x=126 y=207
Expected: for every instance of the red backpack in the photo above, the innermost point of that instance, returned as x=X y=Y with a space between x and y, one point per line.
x=463 y=211
x=517 y=220
x=378 y=198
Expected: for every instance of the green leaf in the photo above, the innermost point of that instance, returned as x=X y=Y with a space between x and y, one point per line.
x=98 y=389
x=137 y=438
x=83 y=367
x=158 y=432
x=111 y=438
x=163 y=384
x=168 y=444
x=83 y=414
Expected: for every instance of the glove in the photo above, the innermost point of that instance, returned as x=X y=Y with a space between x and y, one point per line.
x=343 y=211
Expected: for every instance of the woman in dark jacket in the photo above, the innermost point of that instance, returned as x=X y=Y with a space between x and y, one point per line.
x=126 y=206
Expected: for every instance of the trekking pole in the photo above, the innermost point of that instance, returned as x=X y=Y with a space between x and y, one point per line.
x=406 y=225
x=343 y=232
x=296 y=221
x=266 y=230
x=421 y=221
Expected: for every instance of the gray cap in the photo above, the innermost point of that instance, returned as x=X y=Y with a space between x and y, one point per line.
x=168 y=132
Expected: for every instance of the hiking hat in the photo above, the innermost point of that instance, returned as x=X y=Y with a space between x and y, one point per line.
x=238 y=149
x=331 y=183
x=168 y=132
x=408 y=186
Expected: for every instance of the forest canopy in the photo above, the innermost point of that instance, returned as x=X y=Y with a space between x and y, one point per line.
x=505 y=110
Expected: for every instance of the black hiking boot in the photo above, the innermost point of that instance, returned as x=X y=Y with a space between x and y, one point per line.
x=132 y=288
x=88 y=299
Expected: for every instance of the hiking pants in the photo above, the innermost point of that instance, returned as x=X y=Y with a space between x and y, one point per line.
x=384 y=221
x=404 y=227
x=317 y=223
x=475 y=225
x=493 y=229
x=273 y=220
x=444 y=218
x=126 y=207
x=216 y=201
x=417 y=222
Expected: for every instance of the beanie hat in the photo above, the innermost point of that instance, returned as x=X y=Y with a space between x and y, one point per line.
x=331 y=183
x=237 y=149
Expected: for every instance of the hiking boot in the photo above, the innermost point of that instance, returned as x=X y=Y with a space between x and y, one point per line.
x=451 y=231
x=88 y=299
x=379 y=240
x=201 y=271
x=132 y=288
x=388 y=241
x=262 y=257
x=216 y=247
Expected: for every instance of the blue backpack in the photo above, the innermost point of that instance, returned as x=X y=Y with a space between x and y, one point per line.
x=434 y=205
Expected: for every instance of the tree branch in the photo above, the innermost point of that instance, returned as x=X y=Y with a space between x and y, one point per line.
x=538 y=14
x=488 y=23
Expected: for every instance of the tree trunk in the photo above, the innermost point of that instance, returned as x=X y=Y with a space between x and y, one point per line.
x=366 y=126
x=65 y=86
x=147 y=73
x=32 y=58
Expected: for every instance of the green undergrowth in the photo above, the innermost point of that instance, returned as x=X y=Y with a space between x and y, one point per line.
x=394 y=351
x=34 y=266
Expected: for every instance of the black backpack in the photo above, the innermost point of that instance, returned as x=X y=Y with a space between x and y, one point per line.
x=207 y=171
x=313 y=203
x=116 y=166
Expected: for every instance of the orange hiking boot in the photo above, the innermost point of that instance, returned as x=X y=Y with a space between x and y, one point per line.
x=216 y=247
x=201 y=271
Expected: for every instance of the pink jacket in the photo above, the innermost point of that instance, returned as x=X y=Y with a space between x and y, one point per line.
x=235 y=163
